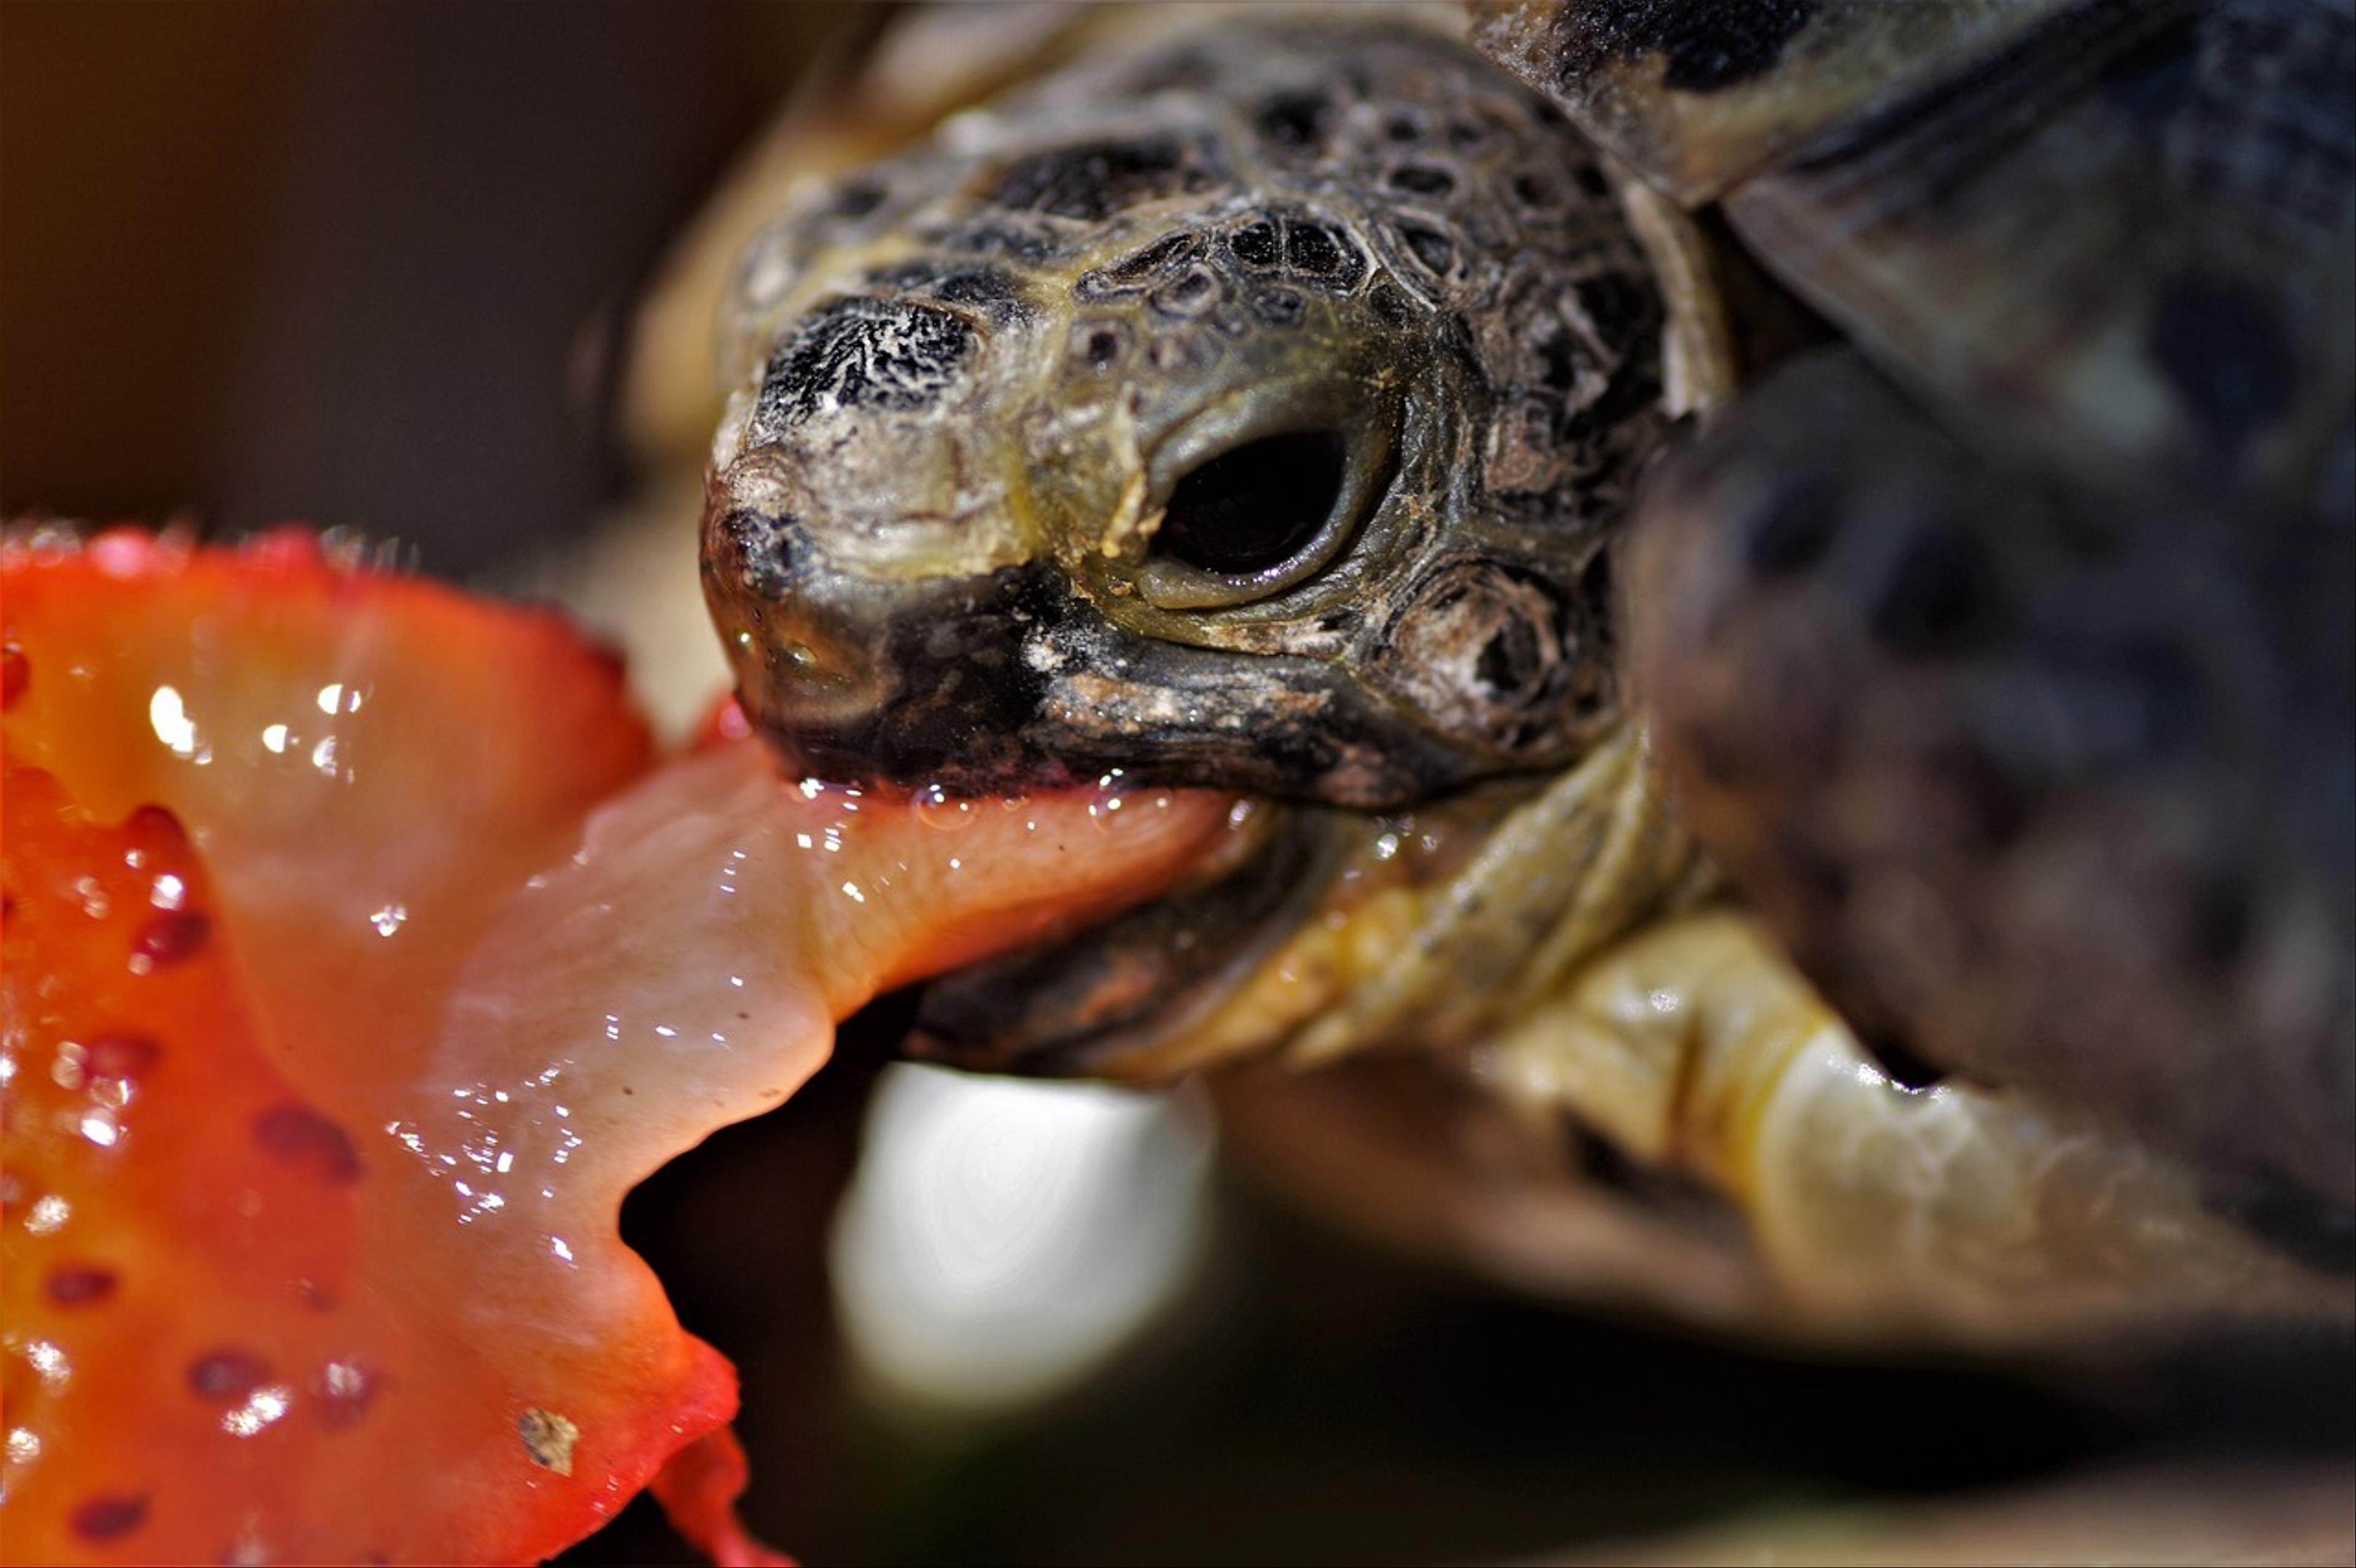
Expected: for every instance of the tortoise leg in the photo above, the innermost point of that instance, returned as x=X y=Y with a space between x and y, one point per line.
x=2046 y=781
x=1875 y=1209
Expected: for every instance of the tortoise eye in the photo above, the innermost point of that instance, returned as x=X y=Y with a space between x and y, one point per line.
x=1251 y=510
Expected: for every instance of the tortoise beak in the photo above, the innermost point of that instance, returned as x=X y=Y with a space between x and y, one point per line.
x=857 y=675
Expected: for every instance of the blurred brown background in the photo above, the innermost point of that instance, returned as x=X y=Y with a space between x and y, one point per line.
x=353 y=264
x=361 y=263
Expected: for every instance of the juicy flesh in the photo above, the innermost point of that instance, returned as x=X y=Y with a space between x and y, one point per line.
x=359 y=958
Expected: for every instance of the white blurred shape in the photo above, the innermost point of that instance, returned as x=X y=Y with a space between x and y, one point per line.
x=1003 y=1237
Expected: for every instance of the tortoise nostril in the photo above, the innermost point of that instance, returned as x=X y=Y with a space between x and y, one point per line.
x=1255 y=507
x=763 y=547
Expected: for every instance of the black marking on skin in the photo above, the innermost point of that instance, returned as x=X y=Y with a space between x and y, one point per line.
x=997 y=296
x=764 y=546
x=1322 y=254
x=1102 y=347
x=1706 y=45
x=1789 y=528
x=1094 y=180
x=2126 y=704
x=2226 y=354
x=1617 y=305
x=1422 y=179
x=1468 y=135
x=1938 y=593
x=1187 y=296
x=1436 y=251
x=1537 y=191
x=1390 y=304
x=855 y=199
x=1257 y=243
x=1563 y=356
x=862 y=353
x=1161 y=256
x=1276 y=305
x=2219 y=918
x=986 y=289
x=1297 y=122
x=1024 y=245
x=965 y=697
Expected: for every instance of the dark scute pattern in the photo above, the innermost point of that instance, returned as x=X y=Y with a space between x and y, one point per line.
x=1537 y=192
x=1390 y=304
x=1256 y=244
x=1311 y=249
x=2271 y=120
x=997 y=296
x=1707 y=45
x=2226 y=353
x=1436 y=251
x=1094 y=180
x=1159 y=257
x=1422 y=179
x=1276 y=305
x=1025 y=245
x=2081 y=793
x=1324 y=254
x=862 y=353
x=1190 y=295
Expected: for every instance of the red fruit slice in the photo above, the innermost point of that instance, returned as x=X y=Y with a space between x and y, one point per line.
x=338 y=1091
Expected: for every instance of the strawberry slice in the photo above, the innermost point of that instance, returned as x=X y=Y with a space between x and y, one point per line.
x=359 y=960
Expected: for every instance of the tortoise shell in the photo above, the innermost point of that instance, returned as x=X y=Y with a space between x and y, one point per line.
x=2021 y=699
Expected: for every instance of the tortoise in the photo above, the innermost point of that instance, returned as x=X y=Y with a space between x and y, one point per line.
x=1784 y=568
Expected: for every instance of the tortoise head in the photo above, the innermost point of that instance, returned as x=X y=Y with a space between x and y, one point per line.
x=1264 y=427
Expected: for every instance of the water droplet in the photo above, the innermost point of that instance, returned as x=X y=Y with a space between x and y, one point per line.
x=167 y=715
x=264 y=1408
x=341 y=1393
x=937 y=807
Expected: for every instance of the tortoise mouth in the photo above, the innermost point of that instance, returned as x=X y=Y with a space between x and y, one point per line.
x=1104 y=1001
